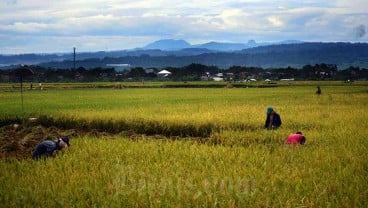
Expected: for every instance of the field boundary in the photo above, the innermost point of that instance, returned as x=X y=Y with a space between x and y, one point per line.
x=138 y=126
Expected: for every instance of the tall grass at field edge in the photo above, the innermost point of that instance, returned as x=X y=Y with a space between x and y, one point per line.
x=135 y=126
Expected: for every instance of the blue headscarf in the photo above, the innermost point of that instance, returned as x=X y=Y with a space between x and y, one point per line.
x=269 y=110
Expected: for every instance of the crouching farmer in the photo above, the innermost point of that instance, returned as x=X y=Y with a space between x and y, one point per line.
x=273 y=120
x=48 y=148
x=297 y=138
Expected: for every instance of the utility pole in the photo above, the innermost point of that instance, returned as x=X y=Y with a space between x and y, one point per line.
x=74 y=58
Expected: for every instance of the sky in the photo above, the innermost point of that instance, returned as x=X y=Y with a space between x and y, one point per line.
x=53 y=26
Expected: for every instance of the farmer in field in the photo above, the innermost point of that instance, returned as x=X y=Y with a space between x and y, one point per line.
x=297 y=138
x=273 y=120
x=48 y=148
x=318 y=92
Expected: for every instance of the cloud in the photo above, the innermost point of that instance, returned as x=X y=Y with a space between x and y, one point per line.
x=275 y=21
x=11 y=2
x=199 y=20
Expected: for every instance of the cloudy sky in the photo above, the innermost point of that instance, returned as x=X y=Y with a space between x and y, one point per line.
x=40 y=26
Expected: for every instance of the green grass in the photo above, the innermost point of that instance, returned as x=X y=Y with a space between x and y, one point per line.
x=239 y=165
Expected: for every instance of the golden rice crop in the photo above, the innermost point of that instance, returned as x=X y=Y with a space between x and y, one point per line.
x=239 y=165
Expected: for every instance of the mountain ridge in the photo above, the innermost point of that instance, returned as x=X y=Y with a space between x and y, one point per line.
x=179 y=44
x=289 y=53
x=168 y=44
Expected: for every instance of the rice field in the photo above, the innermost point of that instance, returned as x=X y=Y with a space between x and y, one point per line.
x=235 y=163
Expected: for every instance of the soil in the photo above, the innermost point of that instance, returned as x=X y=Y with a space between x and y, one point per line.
x=18 y=142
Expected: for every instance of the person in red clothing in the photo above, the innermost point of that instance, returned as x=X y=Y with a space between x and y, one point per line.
x=297 y=138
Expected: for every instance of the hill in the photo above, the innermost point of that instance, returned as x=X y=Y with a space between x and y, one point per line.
x=168 y=44
x=223 y=55
x=158 y=48
x=293 y=55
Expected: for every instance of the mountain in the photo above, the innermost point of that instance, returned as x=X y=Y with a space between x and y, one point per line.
x=168 y=44
x=158 y=48
x=216 y=46
x=343 y=55
x=292 y=53
x=290 y=42
x=174 y=45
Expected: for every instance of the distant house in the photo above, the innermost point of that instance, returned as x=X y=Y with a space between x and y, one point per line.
x=218 y=79
x=163 y=73
x=219 y=75
x=291 y=79
x=250 y=80
x=119 y=67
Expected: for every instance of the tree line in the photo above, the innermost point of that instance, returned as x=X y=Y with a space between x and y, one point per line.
x=191 y=72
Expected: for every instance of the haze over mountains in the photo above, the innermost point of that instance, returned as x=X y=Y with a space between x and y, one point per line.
x=158 y=48
x=178 y=53
x=171 y=44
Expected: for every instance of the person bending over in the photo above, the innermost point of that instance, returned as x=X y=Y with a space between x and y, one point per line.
x=297 y=138
x=273 y=120
x=48 y=148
